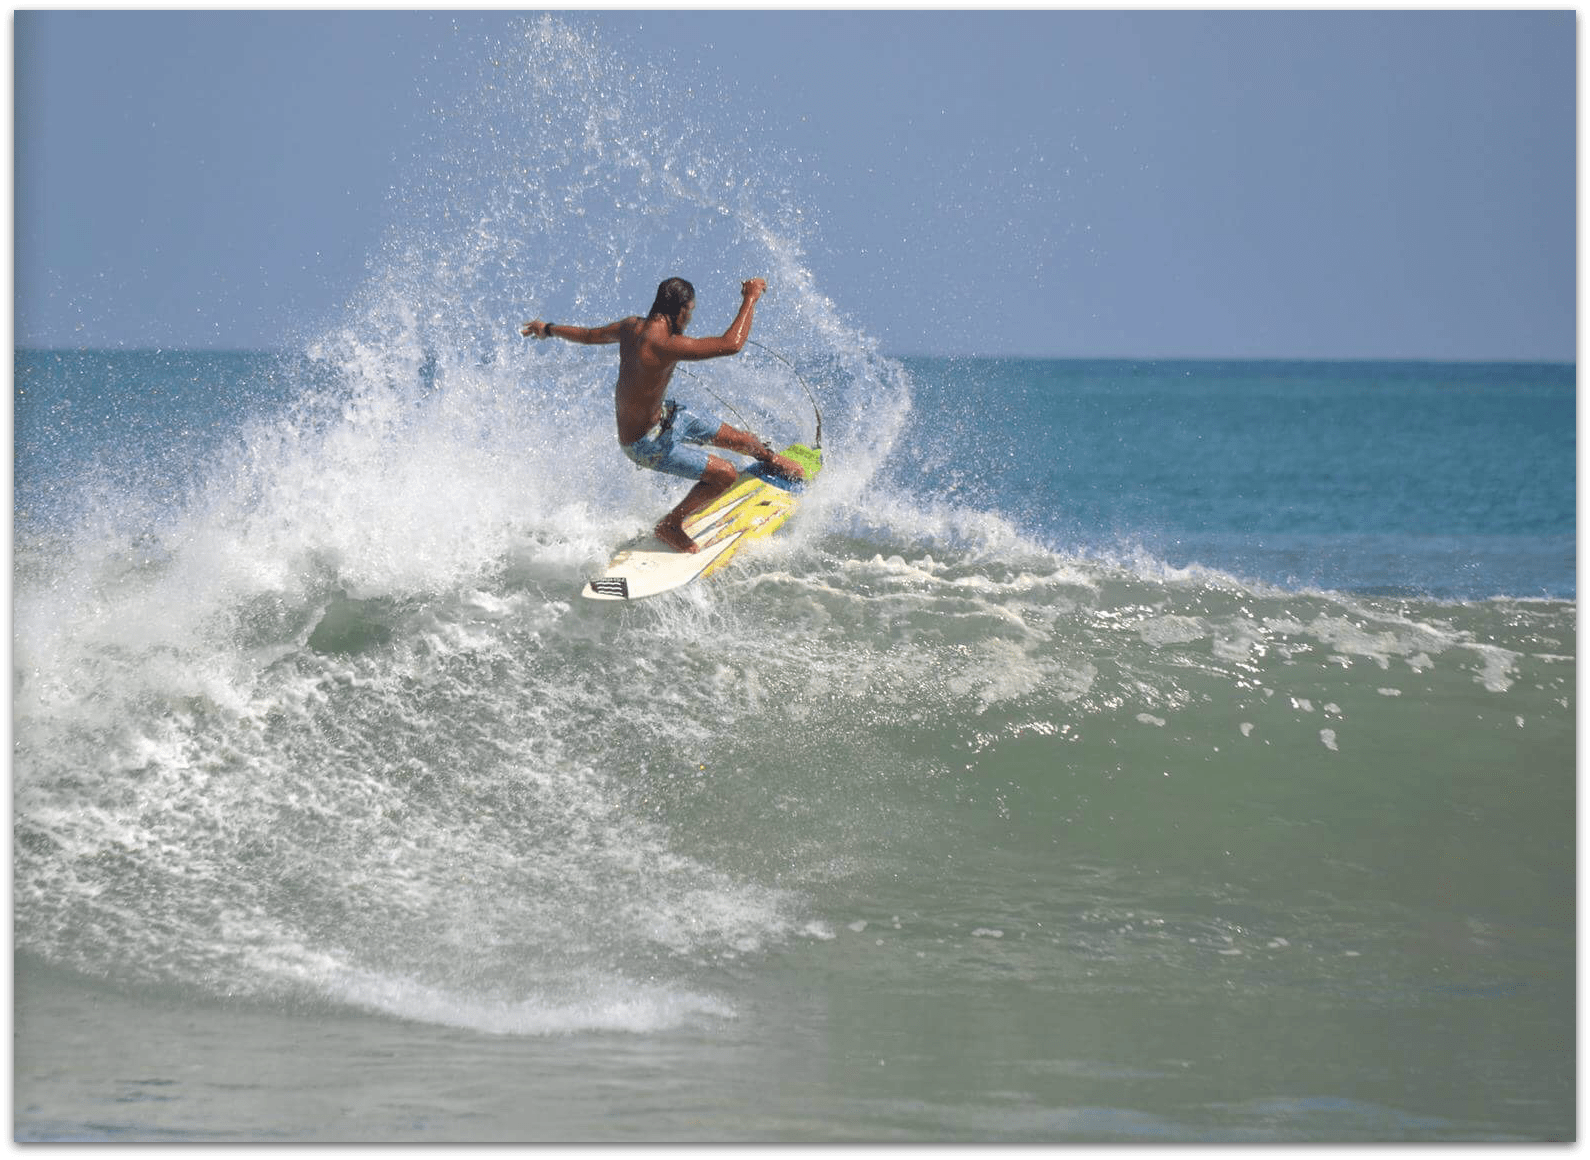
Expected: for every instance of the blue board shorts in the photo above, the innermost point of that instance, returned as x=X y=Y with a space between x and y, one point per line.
x=673 y=444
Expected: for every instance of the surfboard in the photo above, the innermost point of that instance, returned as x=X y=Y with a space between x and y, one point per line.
x=754 y=507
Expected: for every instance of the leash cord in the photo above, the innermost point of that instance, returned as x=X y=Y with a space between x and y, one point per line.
x=818 y=441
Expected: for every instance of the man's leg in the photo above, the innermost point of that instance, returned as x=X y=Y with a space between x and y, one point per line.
x=733 y=439
x=717 y=479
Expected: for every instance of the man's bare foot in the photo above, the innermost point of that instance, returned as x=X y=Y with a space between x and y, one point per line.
x=674 y=536
x=781 y=465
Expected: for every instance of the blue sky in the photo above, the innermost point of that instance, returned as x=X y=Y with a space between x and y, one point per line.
x=1337 y=184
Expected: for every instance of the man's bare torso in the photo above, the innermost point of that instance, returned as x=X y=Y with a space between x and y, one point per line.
x=644 y=373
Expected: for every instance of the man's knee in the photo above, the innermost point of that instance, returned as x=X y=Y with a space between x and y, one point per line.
x=719 y=472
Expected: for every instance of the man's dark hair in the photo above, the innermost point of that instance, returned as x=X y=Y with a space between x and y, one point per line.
x=672 y=297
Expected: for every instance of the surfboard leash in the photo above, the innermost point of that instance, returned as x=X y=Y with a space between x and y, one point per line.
x=812 y=398
x=817 y=442
x=702 y=383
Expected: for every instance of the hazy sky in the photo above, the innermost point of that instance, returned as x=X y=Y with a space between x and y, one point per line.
x=1138 y=184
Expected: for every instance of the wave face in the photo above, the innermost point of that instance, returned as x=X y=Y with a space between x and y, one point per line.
x=307 y=709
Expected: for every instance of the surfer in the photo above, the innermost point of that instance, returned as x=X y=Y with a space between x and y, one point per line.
x=657 y=432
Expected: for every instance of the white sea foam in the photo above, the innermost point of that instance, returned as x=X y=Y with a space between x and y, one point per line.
x=592 y=1002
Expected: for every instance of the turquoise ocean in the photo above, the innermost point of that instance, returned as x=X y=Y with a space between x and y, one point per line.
x=1109 y=751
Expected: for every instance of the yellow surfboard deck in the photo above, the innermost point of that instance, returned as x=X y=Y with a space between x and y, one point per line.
x=752 y=509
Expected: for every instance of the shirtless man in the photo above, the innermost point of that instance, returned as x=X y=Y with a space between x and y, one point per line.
x=656 y=432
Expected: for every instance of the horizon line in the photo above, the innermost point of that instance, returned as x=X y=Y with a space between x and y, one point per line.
x=160 y=348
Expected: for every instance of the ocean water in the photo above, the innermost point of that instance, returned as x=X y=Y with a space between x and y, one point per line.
x=1107 y=752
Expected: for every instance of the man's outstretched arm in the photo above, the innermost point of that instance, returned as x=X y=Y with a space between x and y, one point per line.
x=587 y=335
